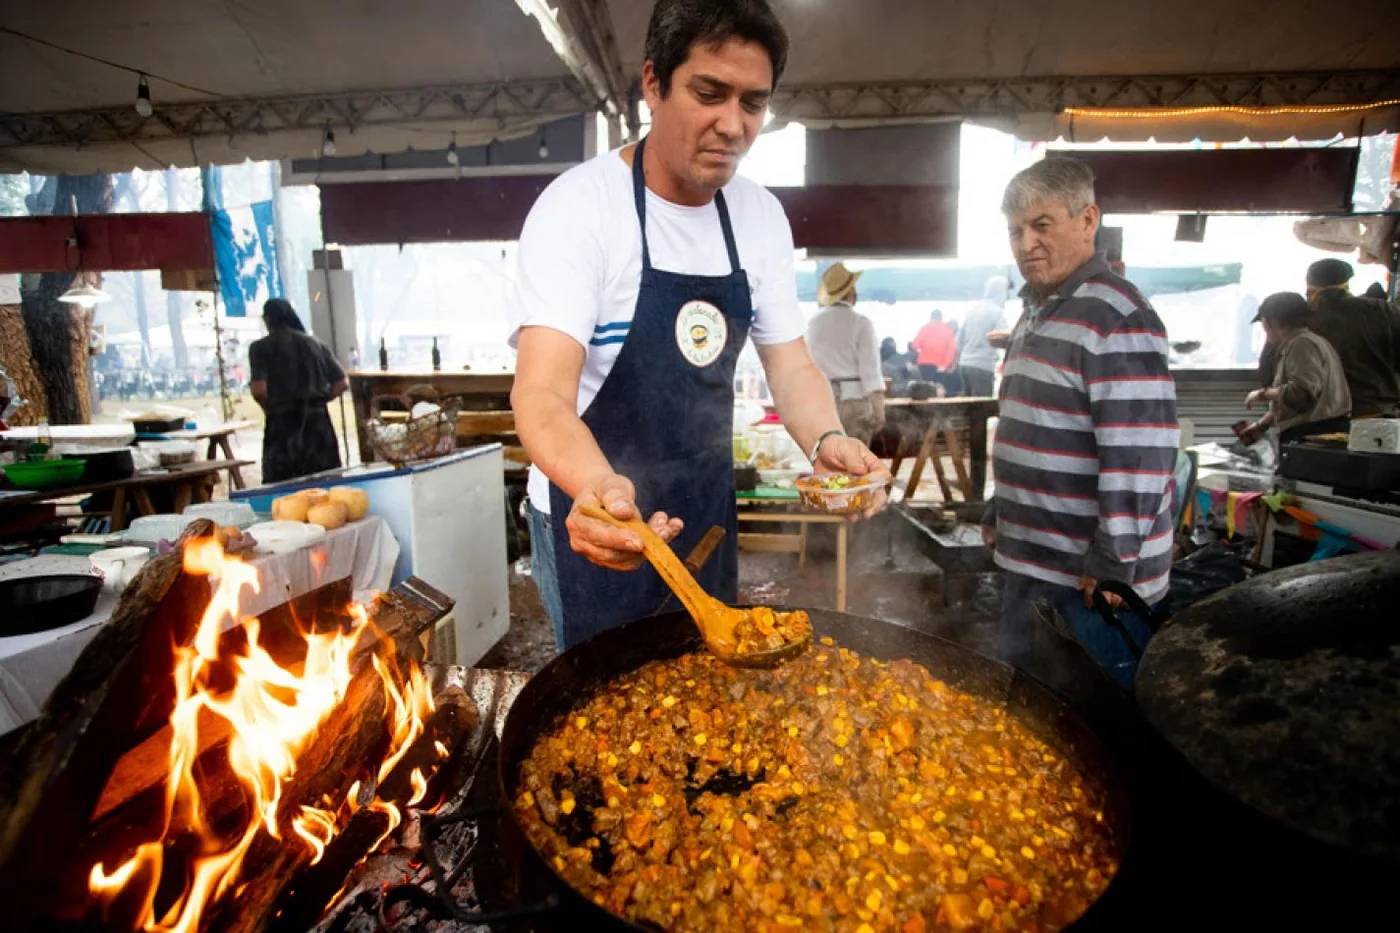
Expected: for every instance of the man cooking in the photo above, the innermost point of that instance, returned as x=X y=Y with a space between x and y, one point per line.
x=1087 y=436
x=1365 y=333
x=641 y=274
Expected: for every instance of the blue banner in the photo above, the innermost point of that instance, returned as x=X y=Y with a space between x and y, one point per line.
x=245 y=257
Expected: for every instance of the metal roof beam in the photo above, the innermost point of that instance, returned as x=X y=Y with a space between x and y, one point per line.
x=547 y=98
x=581 y=34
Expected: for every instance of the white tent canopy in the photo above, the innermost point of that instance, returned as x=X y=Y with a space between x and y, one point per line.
x=261 y=78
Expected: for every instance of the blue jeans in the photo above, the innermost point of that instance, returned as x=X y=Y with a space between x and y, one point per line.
x=544 y=571
x=1104 y=644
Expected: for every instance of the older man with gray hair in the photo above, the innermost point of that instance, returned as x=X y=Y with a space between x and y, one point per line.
x=1088 y=435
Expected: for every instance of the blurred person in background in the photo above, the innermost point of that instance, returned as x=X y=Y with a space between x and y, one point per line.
x=1365 y=333
x=897 y=368
x=977 y=359
x=1087 y=438
x=936 y=344
x=294 y=377
x=1309 y=390
x=842 y=343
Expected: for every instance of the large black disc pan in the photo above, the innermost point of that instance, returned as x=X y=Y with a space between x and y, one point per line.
x=579 y=672
x=1285 y=693
x=38 y=604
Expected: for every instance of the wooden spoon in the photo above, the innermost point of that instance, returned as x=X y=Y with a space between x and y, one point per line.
x=715 y=620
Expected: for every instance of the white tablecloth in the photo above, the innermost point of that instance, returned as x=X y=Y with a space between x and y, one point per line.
x=32 y=665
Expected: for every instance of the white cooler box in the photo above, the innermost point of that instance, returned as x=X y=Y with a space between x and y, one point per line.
x=1375 y=436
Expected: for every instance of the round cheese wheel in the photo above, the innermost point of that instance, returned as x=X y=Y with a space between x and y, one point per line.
x=356 y=500
x=328 y=514
x=314 y=496
x=290 y=508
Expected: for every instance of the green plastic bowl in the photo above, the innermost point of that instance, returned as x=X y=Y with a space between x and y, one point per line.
x=45 y=474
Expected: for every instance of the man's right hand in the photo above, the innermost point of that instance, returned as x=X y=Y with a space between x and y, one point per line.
x=607 y=545
x=989 y=536
x=1251 y=434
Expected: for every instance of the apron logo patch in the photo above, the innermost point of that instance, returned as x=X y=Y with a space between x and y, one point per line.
x=701 y=332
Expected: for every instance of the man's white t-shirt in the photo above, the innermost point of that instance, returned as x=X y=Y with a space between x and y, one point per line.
x=579 y=264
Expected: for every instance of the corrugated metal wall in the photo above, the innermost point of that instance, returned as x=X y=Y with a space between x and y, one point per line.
x=1214 y=400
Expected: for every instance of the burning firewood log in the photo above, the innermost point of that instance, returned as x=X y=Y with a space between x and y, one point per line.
x=455 y=718
x=85 y=782
x=56 y=774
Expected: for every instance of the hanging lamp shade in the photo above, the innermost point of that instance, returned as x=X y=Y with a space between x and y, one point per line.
x=85 y=296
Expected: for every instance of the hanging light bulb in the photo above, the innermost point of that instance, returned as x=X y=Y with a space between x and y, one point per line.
x=328 y=142
x=453 y=158
x=544 y=146
x=85 y=296
x=143 y=98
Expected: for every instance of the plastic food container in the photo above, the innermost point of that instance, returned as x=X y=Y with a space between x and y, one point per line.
x=172 y=453
x=837 y=493
x=223 y=513
x=150 y=530
x=784 y=479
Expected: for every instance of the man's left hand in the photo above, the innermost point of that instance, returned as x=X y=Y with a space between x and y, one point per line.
x=848 y=455
x=1088 y=585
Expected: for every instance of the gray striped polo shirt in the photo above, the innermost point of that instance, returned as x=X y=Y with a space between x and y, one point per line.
x=1087 y=438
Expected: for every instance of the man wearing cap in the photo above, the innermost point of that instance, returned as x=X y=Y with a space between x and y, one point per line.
x=1309 y=391
x=1366 y=335
x=842 y=343
x=641 y=275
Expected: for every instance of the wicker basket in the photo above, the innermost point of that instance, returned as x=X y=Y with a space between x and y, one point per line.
x=420 y=438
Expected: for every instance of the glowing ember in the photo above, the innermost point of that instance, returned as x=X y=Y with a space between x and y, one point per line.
x=273 y=713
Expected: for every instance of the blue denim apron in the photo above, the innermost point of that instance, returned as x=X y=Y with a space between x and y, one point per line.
x=664 y=419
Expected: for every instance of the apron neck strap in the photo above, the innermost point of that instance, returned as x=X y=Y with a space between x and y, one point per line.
x=729 y=243
x=639 y=193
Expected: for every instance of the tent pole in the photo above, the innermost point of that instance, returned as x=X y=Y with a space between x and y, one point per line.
x=335 y=343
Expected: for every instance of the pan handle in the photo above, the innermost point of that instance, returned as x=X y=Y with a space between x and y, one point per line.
x=1135 y=604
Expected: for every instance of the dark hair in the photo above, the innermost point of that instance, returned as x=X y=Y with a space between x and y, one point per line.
x=935 y=315
x=1288 y=309
x=1329 y=273
x=678 y=25
x=887 y=349
x=279 y=315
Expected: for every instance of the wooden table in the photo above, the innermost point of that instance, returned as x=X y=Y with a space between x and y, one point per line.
x=938 y=419
x=218 y=438
x=191 y=483
x=786 y=510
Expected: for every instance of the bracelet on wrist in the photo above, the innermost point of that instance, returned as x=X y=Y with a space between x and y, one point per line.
x=817 y=447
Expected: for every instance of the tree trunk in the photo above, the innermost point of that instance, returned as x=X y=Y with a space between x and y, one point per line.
x=174 y=301
x=58 y=333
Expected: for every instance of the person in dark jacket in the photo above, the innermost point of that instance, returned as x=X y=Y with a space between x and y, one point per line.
x=1365 y=333
x=897 y=368
x=294 y=377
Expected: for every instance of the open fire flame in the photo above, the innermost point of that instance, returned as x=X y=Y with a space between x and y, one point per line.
x=271 y=713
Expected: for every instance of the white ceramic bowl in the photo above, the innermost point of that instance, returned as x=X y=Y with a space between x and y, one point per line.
x=118 y=565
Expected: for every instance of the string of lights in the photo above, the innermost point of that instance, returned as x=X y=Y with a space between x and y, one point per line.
x=1285 y=110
